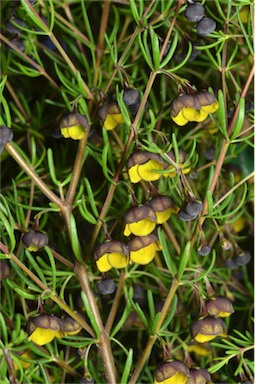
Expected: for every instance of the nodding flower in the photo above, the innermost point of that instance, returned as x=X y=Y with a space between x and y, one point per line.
x=110 y=115
x=74 y=126
x=111 y=254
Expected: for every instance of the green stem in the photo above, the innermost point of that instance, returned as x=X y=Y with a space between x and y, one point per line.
x=104 y=340
x=152 y=339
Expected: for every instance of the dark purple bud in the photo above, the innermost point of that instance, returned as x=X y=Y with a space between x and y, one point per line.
x=205 y=26
x=194 y=12
x=106 y=286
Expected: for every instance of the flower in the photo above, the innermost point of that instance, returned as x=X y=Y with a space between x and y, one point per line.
x=74 y=125
x=34 y=240
x=163 y=206
x=140 y=221
x=6 y=135
x=143 y=249
x=69 y=326
x=171 y=372
x=142 y=166
x=193 y=107
x=199 y=376
x=111 y=254
x=181 y=160
x=110 y=115
x=199 y=349
x=207 y=329
x=219 y=306
x=44 y=328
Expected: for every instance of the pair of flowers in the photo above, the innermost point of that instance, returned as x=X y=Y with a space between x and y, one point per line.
x=149 y=166
x=140 y=222
x=193 y=107
x=211 y=326
x=44 y=328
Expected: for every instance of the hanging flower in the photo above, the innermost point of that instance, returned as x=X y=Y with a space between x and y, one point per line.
x=74 y=126
x=110 y=115
x=140 y=221
x=111 y=254
x=163 y=206
x=219 y=306
x=207 y=329
x=34 y=240
x=143 y=249
x=193 y=107
x=171 y=372
x=171 y=169
x=44 y=328
x=142 y=166
x=199 y=349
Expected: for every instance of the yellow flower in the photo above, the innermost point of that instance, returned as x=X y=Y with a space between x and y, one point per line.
x=193 y=107
x=142 y=166
x=34 y=240
x=199 y=349
x=140 y=221
x=74 y=126
x=44 y=328
x=24 y=364
x=110 y=115
x=163 y=206
x=207 y=329
x=111 y=254
x=171 y=372
x=143 y=249
x=219 y=307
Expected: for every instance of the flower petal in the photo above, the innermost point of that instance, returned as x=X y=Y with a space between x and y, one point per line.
x=144 y=255
x=118 y=260
x=145 y=171
x=133 y=174
x=141 y=228
x=179 y=119
x=103 y=264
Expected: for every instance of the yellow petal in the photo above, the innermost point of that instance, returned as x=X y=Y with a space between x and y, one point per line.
x=204 y=338
x=33 y=248
x=112 y=121
x=185 y=169
x=191 y=114
x=179 y=378
x=103 y=264
x=202 y=116
x=64 y=132
x=133 y=174
x=144 y=255
x=224 y=314
x=127 y=231
x=24 y=364
x=199 y=350
x=162 y=217
x=117 y=260
x=210 y=108
x=171 y=173
x=72 y=332
x=42 y=336
x=180 y=119
x=239 y=224
x=145 y=171
x=76 y=132
x=141 y=228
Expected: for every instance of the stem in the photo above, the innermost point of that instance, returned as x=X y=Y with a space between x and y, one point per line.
x=30 y=172
x=44 y=287
x=115 y=305
x=152 y=339
x=104 y=341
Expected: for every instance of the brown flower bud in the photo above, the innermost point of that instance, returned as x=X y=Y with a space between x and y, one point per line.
x=199 y=376
x=207 y=329
x=69 y=326
x=34 y=240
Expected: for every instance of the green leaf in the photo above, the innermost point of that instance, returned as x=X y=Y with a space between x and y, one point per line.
x=222 y=115
x=52 y=167
x=34 y=16
x=127 y=367
x=155 y=48
x=240 y=119
x=170 y=314
x=171 y=51
x=184 y=260
x=145 y=49
x=90 y=314
x=166 y=253
x=74 y=240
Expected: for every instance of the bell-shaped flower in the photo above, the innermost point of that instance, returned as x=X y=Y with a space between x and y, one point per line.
x=140 y=221
x=219 y=306
x=143 y=165
x=207 y=329
x=171 y=372
x=44 y=328
x=188 y=107
x=110 y=115
x=163 y=206
x=69 y=326
x=74 y=126
x=143 y=249
x=111 y=254
x=34 y=240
